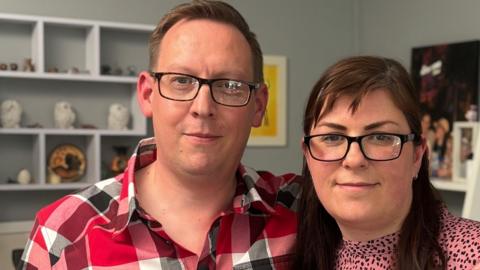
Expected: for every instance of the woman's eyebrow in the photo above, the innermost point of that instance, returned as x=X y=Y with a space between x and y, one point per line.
x=332 y=126
x=376 y=125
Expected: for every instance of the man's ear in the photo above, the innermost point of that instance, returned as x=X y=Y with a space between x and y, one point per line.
x=261 y=99
x=145 y=86
x=304 y=148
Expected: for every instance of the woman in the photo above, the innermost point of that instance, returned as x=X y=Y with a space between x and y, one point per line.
x=368 y=202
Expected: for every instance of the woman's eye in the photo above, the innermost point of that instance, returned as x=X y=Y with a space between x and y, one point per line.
x=331 y=139
x=381 y=138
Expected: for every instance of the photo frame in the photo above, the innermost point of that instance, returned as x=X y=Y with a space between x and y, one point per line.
x=273 y=130
x=464 y=142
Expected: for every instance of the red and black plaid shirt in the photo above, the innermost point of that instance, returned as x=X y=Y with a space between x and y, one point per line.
x=102 y=227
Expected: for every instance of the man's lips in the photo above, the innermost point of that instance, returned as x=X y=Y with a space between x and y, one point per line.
x=203 y=135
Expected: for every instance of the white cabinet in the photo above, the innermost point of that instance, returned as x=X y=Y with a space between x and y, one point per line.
x=71 y=58
x=463 y=197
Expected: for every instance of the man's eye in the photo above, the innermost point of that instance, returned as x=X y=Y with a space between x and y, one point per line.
x=230 y=85
x=182 y=80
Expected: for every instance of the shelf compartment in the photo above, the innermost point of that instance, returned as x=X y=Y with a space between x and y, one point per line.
x=109 y=145
x=18 y=41
x=448 y=185
x=69 y=46
x=120 y=49
x=89 y=111
x=89 y=146
x=21 y=152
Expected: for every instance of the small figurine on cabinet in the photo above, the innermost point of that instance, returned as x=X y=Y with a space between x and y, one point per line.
x=28 y=65
x=53 y=178
x=3 y=66
x=106 y=70
x=471 y=115
x=64 y=115
x=120 y=160
x=11 y=113
x=118 y=117
x=13 y=66
x=24 y=177
x=132 y=70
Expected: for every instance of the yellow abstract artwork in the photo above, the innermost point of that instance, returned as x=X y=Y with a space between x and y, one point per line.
x=272 y=131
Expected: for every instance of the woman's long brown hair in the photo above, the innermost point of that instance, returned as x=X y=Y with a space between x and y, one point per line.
x=319 y=236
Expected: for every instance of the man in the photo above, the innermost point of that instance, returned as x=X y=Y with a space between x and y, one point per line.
x=184 y=201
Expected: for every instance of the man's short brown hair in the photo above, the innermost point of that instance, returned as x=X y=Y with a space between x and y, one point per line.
x=212 y=10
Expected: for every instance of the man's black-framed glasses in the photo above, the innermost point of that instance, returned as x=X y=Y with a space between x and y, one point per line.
x=185 y=87
x=376 y=146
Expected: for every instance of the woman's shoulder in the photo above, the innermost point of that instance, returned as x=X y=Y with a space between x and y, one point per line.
x=460 y=239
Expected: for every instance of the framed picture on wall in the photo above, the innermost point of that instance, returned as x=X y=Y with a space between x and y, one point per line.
x=464 y=140
x=273 y=130
x=447 y=79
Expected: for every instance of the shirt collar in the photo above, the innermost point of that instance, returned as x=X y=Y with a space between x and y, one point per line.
x=255 y=195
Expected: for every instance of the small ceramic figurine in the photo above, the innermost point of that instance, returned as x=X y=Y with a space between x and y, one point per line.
x=28 y=65
x=53 y=178
x=11 y=113
x=13 y=66
x=64 y=115
x=118 y=117
x=24 y=177
x=471 y=114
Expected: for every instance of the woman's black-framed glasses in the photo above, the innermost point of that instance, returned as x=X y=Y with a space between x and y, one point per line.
x=185 y=87
x=376 y=146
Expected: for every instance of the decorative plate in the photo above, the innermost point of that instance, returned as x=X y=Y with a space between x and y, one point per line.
x=67 y=161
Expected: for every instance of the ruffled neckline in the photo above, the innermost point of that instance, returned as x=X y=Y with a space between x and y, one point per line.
x=385 y=245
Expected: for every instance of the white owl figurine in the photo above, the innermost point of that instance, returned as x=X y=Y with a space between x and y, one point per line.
x=11 y=113
x=118 y=117
x=64 y=115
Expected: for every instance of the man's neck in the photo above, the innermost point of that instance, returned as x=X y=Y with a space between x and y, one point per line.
x=184 y=204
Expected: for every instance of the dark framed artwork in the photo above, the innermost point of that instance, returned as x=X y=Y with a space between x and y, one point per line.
x=447 y=79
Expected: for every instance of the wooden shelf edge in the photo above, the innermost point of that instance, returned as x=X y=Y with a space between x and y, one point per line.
x=73 y=132
x=34 y=187
x=69 y=77
x=11 y=227
x=448 y=185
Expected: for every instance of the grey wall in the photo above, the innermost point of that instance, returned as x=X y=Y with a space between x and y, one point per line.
x=392 y=28
x=312 y=35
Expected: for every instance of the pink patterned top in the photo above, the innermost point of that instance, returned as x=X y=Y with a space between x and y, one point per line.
x=459 y=238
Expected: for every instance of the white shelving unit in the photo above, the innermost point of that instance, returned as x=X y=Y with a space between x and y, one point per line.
x=65 y=44
x=469 y=190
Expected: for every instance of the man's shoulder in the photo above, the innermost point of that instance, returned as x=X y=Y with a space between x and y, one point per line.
x=284 y=189
x=82 y=206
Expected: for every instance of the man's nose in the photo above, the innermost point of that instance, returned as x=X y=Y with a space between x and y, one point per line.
x=203 y=105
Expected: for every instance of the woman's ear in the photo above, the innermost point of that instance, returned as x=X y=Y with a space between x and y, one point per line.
x=304 y=148
x=419 y=151
x=145 y=86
